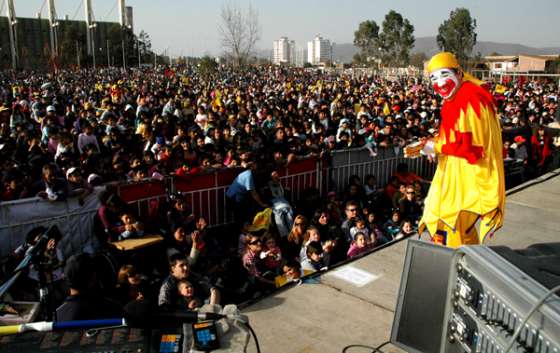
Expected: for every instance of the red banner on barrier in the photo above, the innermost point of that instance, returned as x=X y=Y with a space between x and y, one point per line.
x=142 y=190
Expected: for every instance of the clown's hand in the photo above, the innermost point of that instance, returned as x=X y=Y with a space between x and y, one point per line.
x=429 y=149
x=420 y=148
x=413 y=150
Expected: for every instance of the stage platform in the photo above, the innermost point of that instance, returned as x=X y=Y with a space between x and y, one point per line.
x=354 y=303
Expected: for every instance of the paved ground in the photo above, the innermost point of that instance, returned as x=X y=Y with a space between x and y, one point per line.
x=331 y=313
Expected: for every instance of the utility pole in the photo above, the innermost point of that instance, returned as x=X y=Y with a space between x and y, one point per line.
x=53 y=29
x=93 y=48
x=122 y=21
x=12 y=29
x=78 y=54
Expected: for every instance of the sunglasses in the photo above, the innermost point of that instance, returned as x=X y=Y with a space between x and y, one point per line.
x=255 y=242
x=351 y=209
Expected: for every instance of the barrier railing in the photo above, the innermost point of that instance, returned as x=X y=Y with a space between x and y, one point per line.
x=338 y=176
x=206 y=194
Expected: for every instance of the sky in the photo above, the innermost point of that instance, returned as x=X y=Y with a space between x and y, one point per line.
x=191 y=27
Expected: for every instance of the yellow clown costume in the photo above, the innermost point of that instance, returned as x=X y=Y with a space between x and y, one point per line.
x=469 y=181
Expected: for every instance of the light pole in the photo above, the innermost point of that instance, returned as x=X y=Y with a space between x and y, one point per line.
x=92 y=29
x=139 y=58
x=124 y=34
x=108 y=55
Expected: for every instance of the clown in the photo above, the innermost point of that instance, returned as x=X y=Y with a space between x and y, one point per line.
x=469 y=181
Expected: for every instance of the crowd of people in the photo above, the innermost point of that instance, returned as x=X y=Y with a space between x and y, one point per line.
x=62 y=135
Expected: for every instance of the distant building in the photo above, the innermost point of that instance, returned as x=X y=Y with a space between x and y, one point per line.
x=519 y=63
x=319 y=51
x=301 y=57
x=283 y=51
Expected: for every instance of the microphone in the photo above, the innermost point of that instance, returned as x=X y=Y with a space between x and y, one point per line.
x=141 y=314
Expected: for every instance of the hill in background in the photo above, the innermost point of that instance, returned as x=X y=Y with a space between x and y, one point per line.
x=428 y=45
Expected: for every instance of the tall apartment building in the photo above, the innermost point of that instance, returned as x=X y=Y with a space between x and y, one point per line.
x=319 y=51
x=283 y=51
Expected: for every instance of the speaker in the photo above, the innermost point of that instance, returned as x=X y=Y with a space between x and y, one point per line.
x=419 y=314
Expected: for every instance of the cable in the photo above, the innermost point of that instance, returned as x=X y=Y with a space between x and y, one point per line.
x=110 y=11
x=254 y=336
x=531 y=312
x=80 y=3
x=345 y=349
x=42 y=7
x=2 y=7
x=374 y=349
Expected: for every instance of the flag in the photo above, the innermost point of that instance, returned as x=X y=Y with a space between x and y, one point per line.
x=500 y=89
x=386 y=110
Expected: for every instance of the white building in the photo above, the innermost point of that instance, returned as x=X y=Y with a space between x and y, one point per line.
x=283 y=51
x=319 y=51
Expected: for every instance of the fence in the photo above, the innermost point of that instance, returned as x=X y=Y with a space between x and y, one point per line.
x=205 y=193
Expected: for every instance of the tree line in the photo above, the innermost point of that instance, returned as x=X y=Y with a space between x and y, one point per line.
x=392 y=43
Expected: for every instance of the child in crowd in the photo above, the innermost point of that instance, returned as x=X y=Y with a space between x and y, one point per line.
x=271 y=254
x=392 y=225
x=314 y=261
x=359 y=246
x=359 y=227
x=190 y=300
x=130 y=227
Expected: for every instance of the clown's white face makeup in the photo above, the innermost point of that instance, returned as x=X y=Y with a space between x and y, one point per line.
x=445 y=82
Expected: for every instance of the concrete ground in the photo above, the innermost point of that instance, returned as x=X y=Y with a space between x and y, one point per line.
x=331 y=313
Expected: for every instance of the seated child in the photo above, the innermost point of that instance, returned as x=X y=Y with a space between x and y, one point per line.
x=360 y=227
x=358 y=246
x=191 y=302
x=130 y=228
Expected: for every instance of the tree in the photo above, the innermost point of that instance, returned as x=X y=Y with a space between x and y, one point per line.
x=418 y=60
x=240 y=32
x=396 y=39
x=145 y=46
x=366 y=38
x=207 y=66
x=457 y=34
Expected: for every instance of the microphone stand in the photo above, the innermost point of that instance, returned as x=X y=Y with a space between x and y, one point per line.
x=33 y=255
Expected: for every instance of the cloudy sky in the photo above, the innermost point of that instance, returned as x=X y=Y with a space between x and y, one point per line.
x=189 y=27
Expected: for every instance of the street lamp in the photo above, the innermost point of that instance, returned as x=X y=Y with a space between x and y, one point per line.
x=124 y=35
x=92 y=27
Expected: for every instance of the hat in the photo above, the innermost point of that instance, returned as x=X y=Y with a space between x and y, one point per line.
x=128 y=106
x=423 y=115
x=519 y=139
x=344 y=121
x=443 y=60
x=3 y=109
x=71 y=171
x=94 y=179
x=51 y=108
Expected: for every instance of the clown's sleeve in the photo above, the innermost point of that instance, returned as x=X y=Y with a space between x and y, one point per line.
x=466 y=138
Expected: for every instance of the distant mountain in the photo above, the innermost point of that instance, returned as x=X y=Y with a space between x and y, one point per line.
x=344 y=52
x=428 y=45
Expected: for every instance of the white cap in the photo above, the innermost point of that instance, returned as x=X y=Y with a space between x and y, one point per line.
x=128 y=106
x=51 y=108
x=92 y=177
x=70 y=171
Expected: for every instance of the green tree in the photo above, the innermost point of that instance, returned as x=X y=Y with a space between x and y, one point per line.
x=457 y=34
x=207 y=66
x=418 y=60
x=145 y=46
x=366 y=38
x=396 y=39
